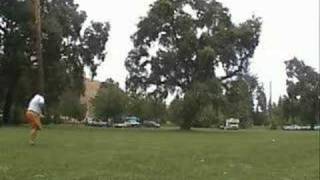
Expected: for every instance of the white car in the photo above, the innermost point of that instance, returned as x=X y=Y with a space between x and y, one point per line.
x=94 y=122
x=232 y=124
x=119 y=125
x=305 y=127
x=129 y=122
x=291 y=127
x=151 y=124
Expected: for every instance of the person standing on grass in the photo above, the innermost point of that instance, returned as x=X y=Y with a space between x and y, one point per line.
x=33 y=115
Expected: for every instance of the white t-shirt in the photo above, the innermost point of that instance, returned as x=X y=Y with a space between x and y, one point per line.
x=36 y=103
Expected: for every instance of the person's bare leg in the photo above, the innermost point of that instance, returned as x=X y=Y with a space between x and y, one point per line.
x=33 y=136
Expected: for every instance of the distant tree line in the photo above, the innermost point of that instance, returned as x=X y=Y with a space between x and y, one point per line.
x=111 y=102
x=301 y=104
x=208 y=104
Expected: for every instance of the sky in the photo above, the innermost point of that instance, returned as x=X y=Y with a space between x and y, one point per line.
x=290 y=28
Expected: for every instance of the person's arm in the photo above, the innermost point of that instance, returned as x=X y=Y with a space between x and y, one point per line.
x=43 y=109
x=42 y=115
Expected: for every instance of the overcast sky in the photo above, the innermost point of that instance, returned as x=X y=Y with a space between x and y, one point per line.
x=290 y=28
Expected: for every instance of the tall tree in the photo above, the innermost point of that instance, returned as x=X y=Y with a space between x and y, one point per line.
x=37 y=34
x=192 y=109
x=239 y=102
x=180 y=42
x=110 y=102
x=65 y=49
x=14 y=33
x=303 y=90
x=260 y=113
x=71 y=107
x=147 y=108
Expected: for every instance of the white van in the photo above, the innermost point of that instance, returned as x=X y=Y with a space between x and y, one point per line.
x=232 y=123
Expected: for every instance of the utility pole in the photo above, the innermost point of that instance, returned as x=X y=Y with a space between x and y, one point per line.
x=270 y=86
x=36 y=9
x=270 y=100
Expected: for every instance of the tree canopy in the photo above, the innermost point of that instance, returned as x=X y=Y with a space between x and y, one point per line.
x=110 y=101
x=303 y=91
x=192 y=48
x=67 y=49
x=180 y=42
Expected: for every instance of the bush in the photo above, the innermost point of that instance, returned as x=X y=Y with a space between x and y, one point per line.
x=274 y=123
x=110 y=102
x=18 y=115
x=175 y=112
x=198 y=107
x=46 y=120
x=207 y=117
x=70 y=106
x=246 y=123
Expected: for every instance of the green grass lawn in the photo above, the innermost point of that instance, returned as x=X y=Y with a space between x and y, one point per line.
x=67 y=153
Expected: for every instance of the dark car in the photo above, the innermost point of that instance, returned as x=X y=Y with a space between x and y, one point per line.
x=151 y=124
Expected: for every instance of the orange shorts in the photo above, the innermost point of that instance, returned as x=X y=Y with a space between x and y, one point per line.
x=34 y=119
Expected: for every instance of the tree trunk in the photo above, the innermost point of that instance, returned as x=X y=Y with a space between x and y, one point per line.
x=186 y=125
x=7 y=108
x=8 y=102
x=38 y=42
x=185 y=128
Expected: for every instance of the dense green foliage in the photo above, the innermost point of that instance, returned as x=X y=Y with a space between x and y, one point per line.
x=71 y=107
x=110 y=102
x=146 y=107
x=301 y=105
x=66 y=51
x=236 y=100
x=191 y=40
x=113 y=102
x=181 y=45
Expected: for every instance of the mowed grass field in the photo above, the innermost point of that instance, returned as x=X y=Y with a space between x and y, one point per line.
x=70 y=153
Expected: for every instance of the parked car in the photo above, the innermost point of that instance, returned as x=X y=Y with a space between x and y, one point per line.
x=96 y=122
x=151 y=124
x=232 y=124
x=295 y=127
x=291 y=127
x=305 y=127
x=130 y=121
x=119 y=125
